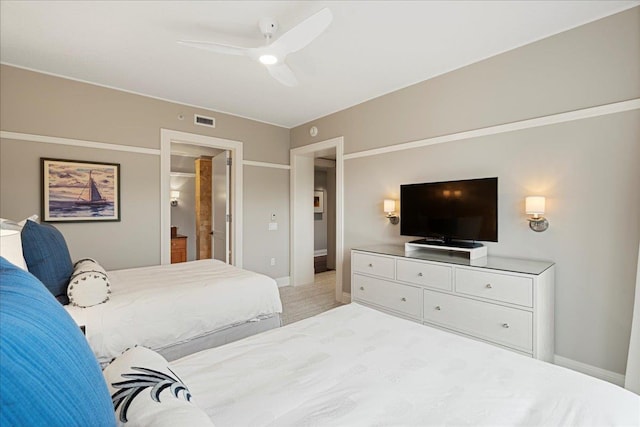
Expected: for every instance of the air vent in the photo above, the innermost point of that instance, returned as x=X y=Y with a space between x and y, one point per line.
x=204 y=121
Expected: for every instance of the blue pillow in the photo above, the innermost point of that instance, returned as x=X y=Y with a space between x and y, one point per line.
x=47 y=257
x=48 y=374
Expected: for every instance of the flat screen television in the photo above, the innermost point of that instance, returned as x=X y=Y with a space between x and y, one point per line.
x=450 y=212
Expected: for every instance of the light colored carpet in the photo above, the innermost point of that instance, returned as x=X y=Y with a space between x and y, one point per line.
x=300 y=302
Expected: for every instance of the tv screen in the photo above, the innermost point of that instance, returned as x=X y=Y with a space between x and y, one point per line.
x=451 y=210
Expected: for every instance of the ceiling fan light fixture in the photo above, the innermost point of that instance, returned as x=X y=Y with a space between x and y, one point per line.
x=268 y=59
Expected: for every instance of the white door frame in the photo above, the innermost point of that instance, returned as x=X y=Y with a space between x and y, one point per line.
x=310 y=150
x=167 y=137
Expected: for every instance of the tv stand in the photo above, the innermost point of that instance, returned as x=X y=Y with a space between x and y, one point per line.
x=471 y=249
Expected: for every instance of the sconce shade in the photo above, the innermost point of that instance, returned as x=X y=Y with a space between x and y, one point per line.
x=535 y=205
x=389 y=205
x=175 y=194
x=11 y=248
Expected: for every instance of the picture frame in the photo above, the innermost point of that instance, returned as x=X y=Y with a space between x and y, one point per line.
x=318 y=201
x=80 y=191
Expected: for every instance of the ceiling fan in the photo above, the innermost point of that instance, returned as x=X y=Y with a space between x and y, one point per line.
x=273 y=54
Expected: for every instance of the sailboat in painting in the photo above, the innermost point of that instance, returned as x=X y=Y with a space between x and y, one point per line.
x=95 y=198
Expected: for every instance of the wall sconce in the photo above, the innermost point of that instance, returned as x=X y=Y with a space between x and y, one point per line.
x=535 y=206
x=389 y=209
x=175 y=195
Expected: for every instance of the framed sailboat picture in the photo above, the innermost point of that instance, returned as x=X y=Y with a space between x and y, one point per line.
x=78 y=191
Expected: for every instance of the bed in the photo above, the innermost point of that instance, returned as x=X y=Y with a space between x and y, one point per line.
x=178 y=309
x=356 y=366
x=175 y=309
x=349 y=366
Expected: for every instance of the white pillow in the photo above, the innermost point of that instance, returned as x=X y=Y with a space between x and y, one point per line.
x=11 y=248
x=89 y=284
x=11 y=245
x=146 y=392
x=7 y=224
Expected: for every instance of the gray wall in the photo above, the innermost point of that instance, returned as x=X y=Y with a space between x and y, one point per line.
x=134 y=241
x=266 y=192
x=588 y=169
x=39 y=104
x=320 y=219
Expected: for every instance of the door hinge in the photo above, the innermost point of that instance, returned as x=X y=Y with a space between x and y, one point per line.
x=228 y=161
x=228 y=217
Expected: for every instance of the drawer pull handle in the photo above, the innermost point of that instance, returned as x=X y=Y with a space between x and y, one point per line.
x=505 y=325
x=488 y=286
x=403 y=299
x=370 y=265
x=419 y=274
x=438 y=307
x=362 y=288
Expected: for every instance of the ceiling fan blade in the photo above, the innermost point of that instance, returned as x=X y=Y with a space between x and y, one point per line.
x=303 y=33
x=216 y=47
x=282 y=73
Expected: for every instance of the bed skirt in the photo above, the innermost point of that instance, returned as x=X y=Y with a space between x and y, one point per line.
x=221 y=336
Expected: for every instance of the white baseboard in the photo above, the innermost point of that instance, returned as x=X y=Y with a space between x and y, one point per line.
x=282 y=281
x=320 y=252
x=603 y=374
x=346 y=298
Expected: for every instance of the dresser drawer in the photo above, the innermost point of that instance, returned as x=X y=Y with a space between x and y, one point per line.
x=402 y=298
x=178 y=243
x=423 y=274
x=373 y=264
x=507 y=326
x=495 y=286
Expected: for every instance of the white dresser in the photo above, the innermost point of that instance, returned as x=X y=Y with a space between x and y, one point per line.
x=504 y=301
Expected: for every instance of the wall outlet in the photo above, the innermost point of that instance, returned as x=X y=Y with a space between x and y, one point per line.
x=273 y=226
x=273 y=261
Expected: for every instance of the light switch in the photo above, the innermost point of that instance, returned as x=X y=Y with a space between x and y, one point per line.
x=273 y=226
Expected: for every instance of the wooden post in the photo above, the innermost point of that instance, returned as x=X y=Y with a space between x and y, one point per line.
x=204 y=208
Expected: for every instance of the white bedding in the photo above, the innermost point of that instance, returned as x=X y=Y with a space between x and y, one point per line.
x=355 y=366
x=168 y=304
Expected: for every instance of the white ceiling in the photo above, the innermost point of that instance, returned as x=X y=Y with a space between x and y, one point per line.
x=370 y=48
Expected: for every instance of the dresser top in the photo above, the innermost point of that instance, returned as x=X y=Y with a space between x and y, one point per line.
x=516 y=265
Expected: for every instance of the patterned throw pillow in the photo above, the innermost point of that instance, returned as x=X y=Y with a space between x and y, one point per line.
x=146 y=392
x=47 y=257
x=89 y=284
x=48 y=374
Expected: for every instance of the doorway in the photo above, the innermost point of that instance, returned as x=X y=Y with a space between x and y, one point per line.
x=233 y=203
x=302 y=211
x=200 y=203
x=324 y=215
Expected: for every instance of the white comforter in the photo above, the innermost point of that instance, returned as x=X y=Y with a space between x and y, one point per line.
x=169 y=304
x=354 y=366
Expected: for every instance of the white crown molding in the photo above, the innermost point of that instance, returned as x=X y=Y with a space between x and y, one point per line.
x=602 y=110
x=77 y=143
x=265 y=165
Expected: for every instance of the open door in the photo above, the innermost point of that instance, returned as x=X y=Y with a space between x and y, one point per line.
x=221 y=206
